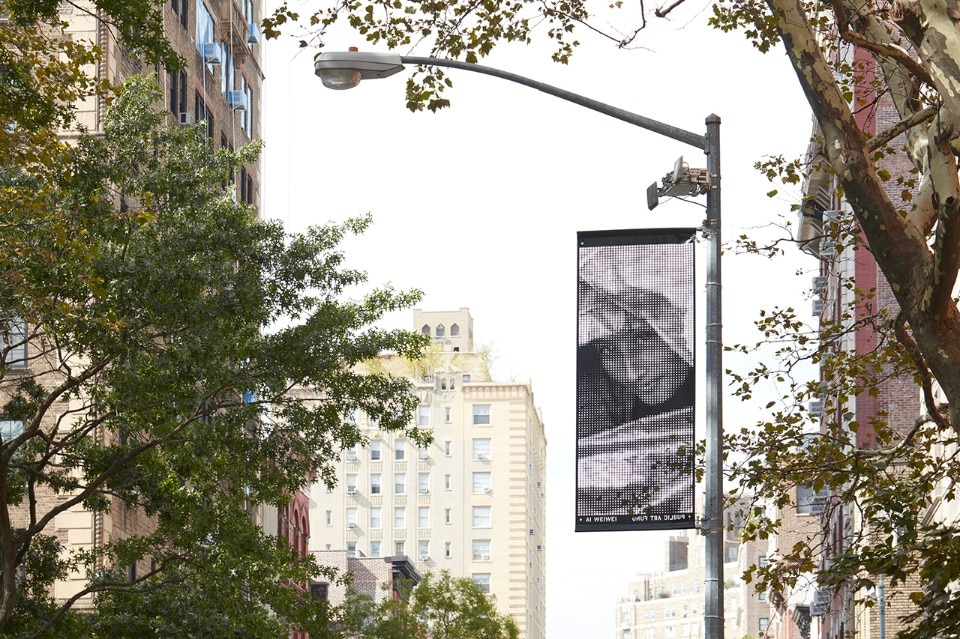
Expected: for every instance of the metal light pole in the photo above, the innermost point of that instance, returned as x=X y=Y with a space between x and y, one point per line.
x=345 y=70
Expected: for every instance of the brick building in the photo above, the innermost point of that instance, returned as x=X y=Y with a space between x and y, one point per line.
x=850 y=280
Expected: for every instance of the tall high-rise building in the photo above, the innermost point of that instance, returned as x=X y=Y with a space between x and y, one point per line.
x=473 y=501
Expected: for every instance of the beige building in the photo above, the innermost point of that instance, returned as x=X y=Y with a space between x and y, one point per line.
x=670 y=604
x=219 y=85
x=472 y=502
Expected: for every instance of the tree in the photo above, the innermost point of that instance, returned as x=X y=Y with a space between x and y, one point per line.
x=154 y=331
x=440 y=607
x=915 y=49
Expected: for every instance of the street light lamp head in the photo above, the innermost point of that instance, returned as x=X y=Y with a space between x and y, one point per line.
x=341 y=70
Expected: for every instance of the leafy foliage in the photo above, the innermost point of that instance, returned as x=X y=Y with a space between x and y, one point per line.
x=440 y=606
x=166 y=328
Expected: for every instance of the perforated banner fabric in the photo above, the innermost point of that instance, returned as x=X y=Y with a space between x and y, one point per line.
x=635 y=380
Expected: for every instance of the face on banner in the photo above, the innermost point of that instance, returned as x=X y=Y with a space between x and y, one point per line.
x=635 y=394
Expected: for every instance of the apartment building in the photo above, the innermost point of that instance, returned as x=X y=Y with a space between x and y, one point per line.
x=473 y=501
x=220 y=86
x=850 y=289
x=670 y=604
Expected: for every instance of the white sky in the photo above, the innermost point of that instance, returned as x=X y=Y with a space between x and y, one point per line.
x=479 y=206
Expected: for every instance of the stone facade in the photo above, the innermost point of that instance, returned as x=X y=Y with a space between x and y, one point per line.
x=472 y=502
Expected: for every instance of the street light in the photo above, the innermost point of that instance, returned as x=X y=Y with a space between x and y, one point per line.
x=345 y=70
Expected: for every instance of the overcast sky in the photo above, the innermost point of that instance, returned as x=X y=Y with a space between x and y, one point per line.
x=479 y=206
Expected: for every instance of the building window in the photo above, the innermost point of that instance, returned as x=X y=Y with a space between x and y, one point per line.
x=761 y=561
x=762 y=624
x=448 y=448
x=204 y=25
x=447 y=415
x=374 y=548
x=399 y=450
x=375 y=484
x=423 y=483
x=424 y=452
x=441 y=331
x=454 y=330
x=180 y=10
x=810 y=502
x=399 y=547
x=351 y=549
x=329 y=518
x=400 y=517
x=351 y=517
x=447 y=482
x=375 y=450
x=423 y=416
x=762 y=596
x=399 y=483
x=351 y=483
x=482 y=579
x=481 y=483
x=481 y=516
x=466 y=378
x=15 y=343
x=481 y=449
x=319 y=591
x=447 y=549
x=423 y=547
x=481 y=550
x=423 y=517
x=178 y=94
x=376 y=517
x=351 y=453
x=246 y=114
x=425 y=329
x=447 y=516
x=481 y=414
x=228 y=72
x=10 y=429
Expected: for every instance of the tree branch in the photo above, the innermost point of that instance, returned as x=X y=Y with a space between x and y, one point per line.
x=902 y=126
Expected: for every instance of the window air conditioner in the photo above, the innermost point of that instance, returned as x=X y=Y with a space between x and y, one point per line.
x=827 y=248
x=211 y=52
x=480 y=456
x=351 y=456
x=424 y=491
x=237 y=100
x=351 y=490
x=488 y=490
x=424 y=454
x=424 y=557
x=351 y=525
x=484 y=557
x=186 y=117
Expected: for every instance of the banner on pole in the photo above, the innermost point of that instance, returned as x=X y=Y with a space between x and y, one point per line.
x=635 y=380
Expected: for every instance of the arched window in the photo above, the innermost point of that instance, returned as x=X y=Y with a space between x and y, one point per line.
x=305 y=535
x=443 y=384
x=454 y=330
x=441 y=331
x=426 y=329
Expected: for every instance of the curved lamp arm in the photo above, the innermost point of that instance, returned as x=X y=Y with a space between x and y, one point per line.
x=344 y=70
